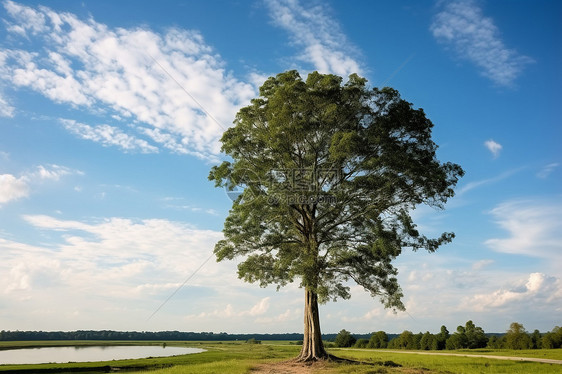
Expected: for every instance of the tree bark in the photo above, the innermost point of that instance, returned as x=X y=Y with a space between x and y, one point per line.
x=312 y=346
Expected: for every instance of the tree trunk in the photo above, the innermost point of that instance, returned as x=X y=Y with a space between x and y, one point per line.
x=312 y=346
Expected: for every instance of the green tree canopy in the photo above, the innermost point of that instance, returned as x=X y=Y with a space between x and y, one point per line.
x=330 y=172
x=476 y=338
x=517 y=338
x=344 y=339
x=552 y=339
x=441 y=338
x=378 y=339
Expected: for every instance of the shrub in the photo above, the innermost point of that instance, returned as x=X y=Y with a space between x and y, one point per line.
x=253 y=341
x=361 y=343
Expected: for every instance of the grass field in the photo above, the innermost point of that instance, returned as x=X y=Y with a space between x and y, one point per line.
x=237 y=357
x=452 y=364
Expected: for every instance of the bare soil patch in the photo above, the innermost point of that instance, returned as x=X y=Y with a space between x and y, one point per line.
x=291 y=367
x=328 y=366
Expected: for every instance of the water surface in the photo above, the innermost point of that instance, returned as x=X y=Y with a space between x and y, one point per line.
x=45 y=355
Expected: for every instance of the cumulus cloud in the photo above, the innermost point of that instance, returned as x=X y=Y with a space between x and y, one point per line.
x=26 y=20
x=170 y=87
x=93 y=266
x=537 y=290
x=534 y=228
x=474 y=37
x=324 y=44
x=493 y=147
x=116 y=243
x=286 y=316
x=12 y=188
x=259 y=309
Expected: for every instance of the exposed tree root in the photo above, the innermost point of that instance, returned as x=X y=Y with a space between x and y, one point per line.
x=341 y=360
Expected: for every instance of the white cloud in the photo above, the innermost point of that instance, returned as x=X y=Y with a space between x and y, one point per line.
x=537 y=291
x=286 y=316
x=479 y=265
x=324 y=44
x=171 y=86
x=420 y=277
x=12 y=188
x=260 y=308
x=472 y=185
x=534 y=227
x=53 y=172
x=91 y=267
x=116 y=242
x=26 y=19
x=180 y=203
x=6 y=110
x=475 y=37
x=547 y=170
x=109 y=136
x=493 y=147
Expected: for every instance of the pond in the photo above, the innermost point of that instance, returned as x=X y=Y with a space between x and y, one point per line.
x=89 y=353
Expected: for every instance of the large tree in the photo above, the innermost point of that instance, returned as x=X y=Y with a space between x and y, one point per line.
x=330 y=172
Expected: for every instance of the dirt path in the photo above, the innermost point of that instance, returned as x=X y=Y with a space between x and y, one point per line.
x=509 y=358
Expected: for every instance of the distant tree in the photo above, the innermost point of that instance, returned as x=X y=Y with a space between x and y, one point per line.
x=458 y=340
x=361 y=343
x=331 y=172
x=405 y=340
x=476 y=338
x=253 y=341
x=495 y=343
x=344 y=339
x=536 y=340
x=426 y=342
x=417 y=340
x=552 y=339
x=441 y=338
x=379 y=339
x=516 y=337
x=547 y=341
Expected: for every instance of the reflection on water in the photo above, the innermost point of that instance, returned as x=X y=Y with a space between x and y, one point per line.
x=88 y=353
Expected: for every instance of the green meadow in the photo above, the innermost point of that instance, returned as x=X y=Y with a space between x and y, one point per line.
x=239 y=357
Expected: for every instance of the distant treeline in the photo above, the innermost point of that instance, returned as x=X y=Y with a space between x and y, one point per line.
x=468 y=336
x=139 y=335
x=149 y=335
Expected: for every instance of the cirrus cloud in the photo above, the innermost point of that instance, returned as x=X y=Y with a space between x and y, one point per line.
x=474 y=37
x=534 y=227
x=311 y=28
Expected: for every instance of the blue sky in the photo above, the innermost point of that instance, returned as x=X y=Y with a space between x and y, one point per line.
x=110 y=119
